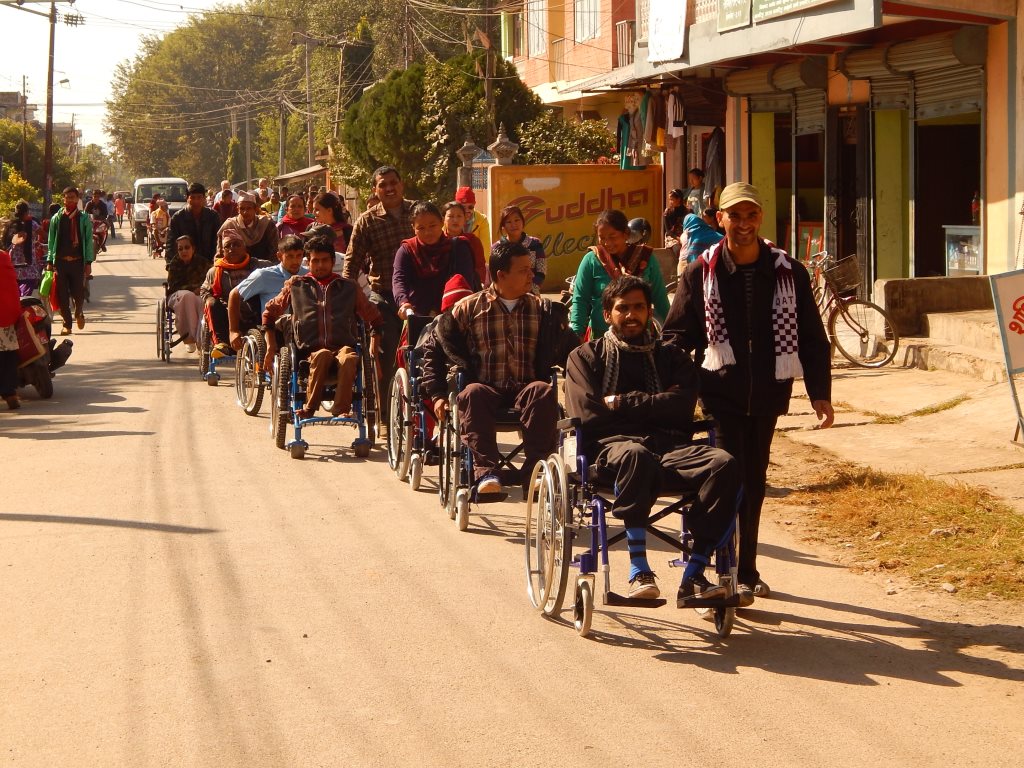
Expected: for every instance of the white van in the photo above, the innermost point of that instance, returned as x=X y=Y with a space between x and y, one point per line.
x=171 y=189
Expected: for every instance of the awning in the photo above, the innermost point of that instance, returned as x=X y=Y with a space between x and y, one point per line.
x=313 y=170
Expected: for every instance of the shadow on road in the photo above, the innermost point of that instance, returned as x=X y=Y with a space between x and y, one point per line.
x=103 y=521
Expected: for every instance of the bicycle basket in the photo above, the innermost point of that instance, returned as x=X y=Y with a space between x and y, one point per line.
x=844 y=277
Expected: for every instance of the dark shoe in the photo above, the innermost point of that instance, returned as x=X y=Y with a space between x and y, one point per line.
x=746 y=593
x=697 y=589
x=65 y=330
x=80 y=320
x=644 y=587
x=13 y=403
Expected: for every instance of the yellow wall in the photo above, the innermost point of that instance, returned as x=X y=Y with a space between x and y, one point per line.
x=762 y=168
x=999 y=216
x=892 y=195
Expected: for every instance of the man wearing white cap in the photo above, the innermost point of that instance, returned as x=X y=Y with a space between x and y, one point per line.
x=258 y=232
x=746 y=310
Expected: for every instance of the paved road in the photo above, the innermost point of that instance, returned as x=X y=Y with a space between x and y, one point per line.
x=175 y=591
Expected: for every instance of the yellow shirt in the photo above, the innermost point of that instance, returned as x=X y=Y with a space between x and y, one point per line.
x=482 y=229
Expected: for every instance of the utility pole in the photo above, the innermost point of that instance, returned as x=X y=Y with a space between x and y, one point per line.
x=282 y=130
x=48 y=145
x=24 y=126
x=248 y=153
x=311 y=141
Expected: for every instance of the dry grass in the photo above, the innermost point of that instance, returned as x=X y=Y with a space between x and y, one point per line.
x=928 y=530
x=889 y=418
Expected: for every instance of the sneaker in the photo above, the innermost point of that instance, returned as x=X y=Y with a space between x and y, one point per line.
x=488 y=485
x=80 y=320
x=643 y=587
x=696 y=589
x=220 y=350
x=746 y=593
x=190 y=347
x=65 y=330
x=761 y=589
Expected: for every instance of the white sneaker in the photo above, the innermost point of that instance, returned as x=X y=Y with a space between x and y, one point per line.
x=489 y=484
x=190 y=347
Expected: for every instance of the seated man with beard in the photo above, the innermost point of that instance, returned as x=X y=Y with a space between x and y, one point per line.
x=232 y=266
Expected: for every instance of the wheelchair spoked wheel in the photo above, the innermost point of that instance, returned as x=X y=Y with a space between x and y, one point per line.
x=445 y=481
x=372 y=410
x=548 y=539
x=726 y=617
x=400 y=424
x=161 y=330
x=204 y=348
x=281 y=400
x=249 y=384
x=453 y=456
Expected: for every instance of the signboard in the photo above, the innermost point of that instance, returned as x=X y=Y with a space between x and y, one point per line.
x=666 y=36
x=733 y=14
x=1008 y=298
x=561 y=202
x=770 y=9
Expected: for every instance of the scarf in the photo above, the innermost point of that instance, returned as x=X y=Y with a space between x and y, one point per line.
x=634 y=264
x=73 y=218
x=299 y=225
x=614 y=346
x=784 y=321
x=429 y=260
x=220 y=265
x=252 y=234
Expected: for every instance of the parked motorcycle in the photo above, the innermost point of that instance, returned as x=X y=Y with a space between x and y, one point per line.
x=99 y=235
x=40 y=354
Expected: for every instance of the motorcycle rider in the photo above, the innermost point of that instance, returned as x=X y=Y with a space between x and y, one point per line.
x=97 y=209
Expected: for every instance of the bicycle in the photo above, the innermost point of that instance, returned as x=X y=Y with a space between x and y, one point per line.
x=862 y=331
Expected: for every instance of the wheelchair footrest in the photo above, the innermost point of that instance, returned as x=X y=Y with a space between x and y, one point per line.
x=733 y=601
x=614 y=598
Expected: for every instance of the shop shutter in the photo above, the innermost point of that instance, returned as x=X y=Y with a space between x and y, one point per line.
x=951 y=91
x=810 y=111
x=890 y=93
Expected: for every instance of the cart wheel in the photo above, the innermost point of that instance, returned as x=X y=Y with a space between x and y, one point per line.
x=583 y=608
x=297 y=451
x=415 y=471
x=462 y=509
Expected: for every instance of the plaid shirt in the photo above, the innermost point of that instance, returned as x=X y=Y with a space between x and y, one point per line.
x=505 y=342
x=376 y=237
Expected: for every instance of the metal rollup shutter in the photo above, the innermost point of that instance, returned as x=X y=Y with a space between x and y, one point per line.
x=890 y=93
x=811 y=106
x=952 y=91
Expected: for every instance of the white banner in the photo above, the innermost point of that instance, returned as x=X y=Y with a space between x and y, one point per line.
x=667 y=30
x=1008 y=297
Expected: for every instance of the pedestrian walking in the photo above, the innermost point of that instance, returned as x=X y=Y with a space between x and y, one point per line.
x=746 y=311
x=70 y=250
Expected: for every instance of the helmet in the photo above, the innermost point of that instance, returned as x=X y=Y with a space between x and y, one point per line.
x=639 y=231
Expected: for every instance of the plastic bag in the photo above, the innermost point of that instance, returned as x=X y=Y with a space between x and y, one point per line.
x=46 y=284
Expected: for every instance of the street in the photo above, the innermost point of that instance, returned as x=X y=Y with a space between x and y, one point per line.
x=176 y=591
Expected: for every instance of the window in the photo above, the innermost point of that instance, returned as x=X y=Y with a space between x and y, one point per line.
x=587 y=15
x=537 y=24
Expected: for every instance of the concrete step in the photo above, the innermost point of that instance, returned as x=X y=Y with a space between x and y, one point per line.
x=975 y=329
x=936 y=354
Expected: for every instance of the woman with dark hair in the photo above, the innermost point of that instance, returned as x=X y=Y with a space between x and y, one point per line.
x=20 y=238
x=295 y=220
x=424 y=263
x=455 y=226
x=674 y=214
x=329 y=210
x=512 y=226
x=612 y=257
x=185 y=275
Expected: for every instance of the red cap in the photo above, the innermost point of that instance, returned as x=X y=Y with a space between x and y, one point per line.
x=456 y=288
x=465 y=195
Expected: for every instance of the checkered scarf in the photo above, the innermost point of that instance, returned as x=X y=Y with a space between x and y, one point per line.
x=784 y=320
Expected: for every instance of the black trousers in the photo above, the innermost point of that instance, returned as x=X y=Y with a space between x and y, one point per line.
x=8 y=373
x=749 y=440
x=640 y=475
x=392 y=332
x=70 y=286
x=217 y=317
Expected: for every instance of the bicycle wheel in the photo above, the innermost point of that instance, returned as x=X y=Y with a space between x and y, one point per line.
x=863 y=333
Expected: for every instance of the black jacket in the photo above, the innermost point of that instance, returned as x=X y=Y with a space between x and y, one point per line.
x=662 y=421
x=203 y=233
x=749 y=386
x=447 y=347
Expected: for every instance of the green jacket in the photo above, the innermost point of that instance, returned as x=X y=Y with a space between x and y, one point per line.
x=591 y=279
x=84 y=231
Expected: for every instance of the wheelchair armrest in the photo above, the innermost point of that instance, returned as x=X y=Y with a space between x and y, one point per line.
x=570 y=423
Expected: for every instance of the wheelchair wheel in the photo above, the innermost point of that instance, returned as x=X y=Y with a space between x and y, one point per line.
x=415 y=471
x=400 y=424
x=161 y=322
x=205 y=345
x=583 y=607
x=454 y=455
x=249 y=383
x=462 y=509
x=548 y=540
x=371 y=393
x=725 y=617
x=281 y=400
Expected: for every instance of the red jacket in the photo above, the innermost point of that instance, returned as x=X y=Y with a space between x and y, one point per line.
x=10 y=296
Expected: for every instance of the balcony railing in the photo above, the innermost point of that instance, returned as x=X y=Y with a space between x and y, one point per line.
x=625 y=37
x=561 y=69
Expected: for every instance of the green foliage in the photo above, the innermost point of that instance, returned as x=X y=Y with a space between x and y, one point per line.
x=235 y=166
x=549 y=139
x=14 y=188
x=10 y=150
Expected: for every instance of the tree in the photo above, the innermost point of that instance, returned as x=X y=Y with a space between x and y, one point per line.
x=10 y=148
x=235 y=167
x=551 y=140
x=14 y=188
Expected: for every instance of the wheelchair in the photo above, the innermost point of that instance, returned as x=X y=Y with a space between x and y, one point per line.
x=207 y=363
x=566 y=509
x=410 y=444
x=289 y=390
x=166 y=339
x=457 y=490
x=251 y=381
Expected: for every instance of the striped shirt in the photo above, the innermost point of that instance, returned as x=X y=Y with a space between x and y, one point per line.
x=374 y=243
x=504 y=341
